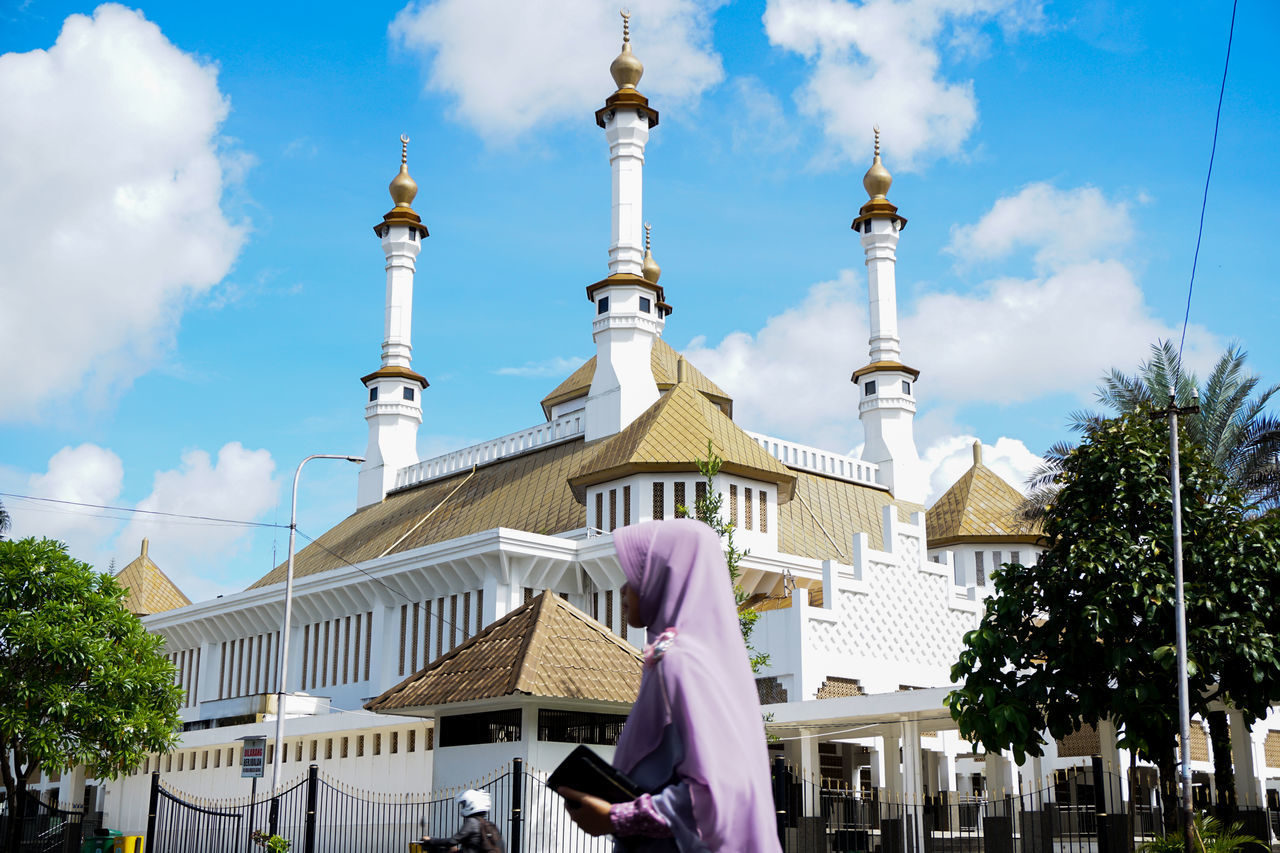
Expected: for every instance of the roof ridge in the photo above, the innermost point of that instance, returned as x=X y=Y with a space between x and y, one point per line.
x=452 y=653
x=535 y=605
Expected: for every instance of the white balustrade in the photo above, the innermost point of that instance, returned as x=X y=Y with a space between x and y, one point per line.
x=561 y=429
x=806 y=458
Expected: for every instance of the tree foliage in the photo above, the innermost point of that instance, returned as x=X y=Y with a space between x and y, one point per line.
x=81 y=681
x=1088 y=632
x=1233 y=427
x=706 y=508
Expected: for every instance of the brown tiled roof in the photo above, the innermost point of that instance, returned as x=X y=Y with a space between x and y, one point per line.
x=979 y=507
x=547 y=648
x=825 y=513
x=528 y=492
x=663 y=360
x=531 y=492
x=150 y=590
x=671 y=435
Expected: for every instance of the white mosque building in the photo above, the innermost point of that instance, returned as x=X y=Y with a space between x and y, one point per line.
x=484 y=581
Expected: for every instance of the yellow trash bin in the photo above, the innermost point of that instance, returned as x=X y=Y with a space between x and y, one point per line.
x=129 y=844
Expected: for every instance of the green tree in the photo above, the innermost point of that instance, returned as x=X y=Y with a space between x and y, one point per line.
x=706 y=508
x=1232 y=428
x=1087 y=632
x=5 y=520
x=81 y=680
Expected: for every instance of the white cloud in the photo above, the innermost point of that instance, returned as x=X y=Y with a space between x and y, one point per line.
x=239 y=485
x=557 y=366
x=880 y=62
x=792 y=377
x=492 y=56
x=1062 y=227
x=86 y=474
x=947 y=459
x=1007 y=340
x=109 y=208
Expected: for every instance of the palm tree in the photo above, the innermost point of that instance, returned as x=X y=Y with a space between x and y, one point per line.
x=5 y=521
x=1232 y=427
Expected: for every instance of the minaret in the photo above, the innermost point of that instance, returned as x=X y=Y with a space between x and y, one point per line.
x=394 y=408
x=627 y=313
x=886 y=386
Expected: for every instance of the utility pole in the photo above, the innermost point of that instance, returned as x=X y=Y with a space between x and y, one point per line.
x=1184 y=702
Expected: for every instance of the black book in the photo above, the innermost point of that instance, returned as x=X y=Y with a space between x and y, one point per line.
x=587 y=772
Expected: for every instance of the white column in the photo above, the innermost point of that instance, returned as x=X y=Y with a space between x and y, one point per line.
x=810 y=775
x=627 y=130
x=1110 y=766
x=912 y=781
x=892 y=766
x=880 y=244
x=1242 y=761
x=401 y=245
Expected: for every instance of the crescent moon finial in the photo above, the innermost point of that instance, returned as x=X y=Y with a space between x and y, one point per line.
x=647 y=238
x=876 y=128
x=404 y=149
x=626 y=24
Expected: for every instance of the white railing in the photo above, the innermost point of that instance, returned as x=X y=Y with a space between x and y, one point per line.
x=561 y=429
x=806 y=458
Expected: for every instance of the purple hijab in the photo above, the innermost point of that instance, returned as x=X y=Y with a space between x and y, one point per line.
x=677 y=568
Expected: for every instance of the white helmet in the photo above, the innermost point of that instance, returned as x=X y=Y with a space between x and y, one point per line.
x=474 y=802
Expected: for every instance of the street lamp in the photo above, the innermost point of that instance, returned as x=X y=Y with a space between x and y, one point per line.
x=288 y=613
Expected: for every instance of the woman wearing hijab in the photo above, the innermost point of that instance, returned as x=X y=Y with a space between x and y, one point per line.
x=694 y=738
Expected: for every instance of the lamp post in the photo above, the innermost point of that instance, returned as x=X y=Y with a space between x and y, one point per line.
x=1184 y=705
x=288 y=613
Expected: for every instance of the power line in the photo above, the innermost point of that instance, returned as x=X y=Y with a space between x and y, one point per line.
x=1204 y=201
x=134 y=510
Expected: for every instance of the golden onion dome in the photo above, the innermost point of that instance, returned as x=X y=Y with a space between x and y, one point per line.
x=403 y=188
x=626 y=69
x=877 y=180
x=651 y=272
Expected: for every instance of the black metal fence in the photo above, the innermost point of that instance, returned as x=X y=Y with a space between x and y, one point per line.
x=48 y=828
x=1078 y=812
x=319 y=814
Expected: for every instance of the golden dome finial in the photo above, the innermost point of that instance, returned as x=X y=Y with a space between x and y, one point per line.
x=403 y=188
x=626 y=69
x=877 y=180
x=650 y=271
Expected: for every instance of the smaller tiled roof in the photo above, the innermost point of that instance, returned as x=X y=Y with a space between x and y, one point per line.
x=546 y=648
x=663 y=361
x=150 y=590
x=671 y=435
x=979 y=507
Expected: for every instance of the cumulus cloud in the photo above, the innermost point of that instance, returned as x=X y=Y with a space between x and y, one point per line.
x=239 y=485
x=1006 y=340
x=948 y=458
x=87 y=474
x=881 y=62
x=558 y=366
x=491 y=55
x=805 y=356
x=110 y=217
x=1062 y=227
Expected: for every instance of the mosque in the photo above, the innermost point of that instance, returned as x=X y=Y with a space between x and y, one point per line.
x=469 y=611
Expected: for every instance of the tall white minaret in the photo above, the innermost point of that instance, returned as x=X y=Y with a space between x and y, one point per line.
x=629 y=309
x=886 y=386
x=394 y=408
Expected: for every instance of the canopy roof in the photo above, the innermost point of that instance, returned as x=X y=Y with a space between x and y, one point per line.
x=546 y=648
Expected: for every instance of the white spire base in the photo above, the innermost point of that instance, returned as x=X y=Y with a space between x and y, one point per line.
x=623 y=385
x=627 y=130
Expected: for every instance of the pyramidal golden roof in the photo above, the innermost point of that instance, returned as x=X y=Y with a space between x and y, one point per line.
x=671 y=435
x=149 y=589
x=546 y=648
x=979 y=507
x=662 y=360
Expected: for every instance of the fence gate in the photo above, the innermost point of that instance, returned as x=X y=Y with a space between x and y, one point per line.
x=47 y=828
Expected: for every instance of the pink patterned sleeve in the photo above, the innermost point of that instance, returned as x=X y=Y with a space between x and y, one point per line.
x=638 y=817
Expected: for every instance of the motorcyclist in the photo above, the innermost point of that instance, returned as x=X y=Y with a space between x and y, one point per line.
x=477 y=834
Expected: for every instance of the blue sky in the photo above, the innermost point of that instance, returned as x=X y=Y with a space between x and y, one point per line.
x=190 y=287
